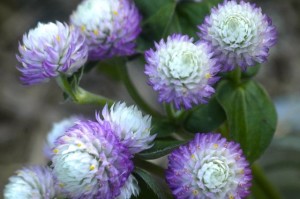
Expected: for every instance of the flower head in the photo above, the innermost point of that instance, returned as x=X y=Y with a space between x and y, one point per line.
x=181 y=71
x=58 y=130
x=51 y=49
x=32 y=182
x=130 y=125
x=240 y=34
x=90 y=162
x=209 y=167
x=111 y=27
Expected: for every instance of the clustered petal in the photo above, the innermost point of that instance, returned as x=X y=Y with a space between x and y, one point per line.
x=33 y=182
x=129 y=189
x=239 y=33
x=51 y=49
x=209 y=167
x=110 y=27
x=58 y=129
x=181 y=71
x=129 y=124
x=90 y=162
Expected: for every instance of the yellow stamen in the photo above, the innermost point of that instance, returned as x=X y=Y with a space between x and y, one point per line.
x=193 y=156
x=55 y=151
x=96 y=32
x=207 y=75
x=92 y=167
x=231 y=197
x=83 y=28
x=58 y=38
x=79 y=144
x=195 y=192
x=61 y=185
x=216 y=146
x=115 y=12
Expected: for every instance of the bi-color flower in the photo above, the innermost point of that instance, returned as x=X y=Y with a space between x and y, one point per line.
x=209 y=167
x=240 y=34
x=33 y=182
x=130 y=125
x=111 y=27
x=89 y=161
x=182 y=72
x=50 y=49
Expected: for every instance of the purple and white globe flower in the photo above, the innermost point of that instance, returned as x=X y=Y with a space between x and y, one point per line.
x=239 y=33
x=58 y=129
x=51 y=49
x=89 y=161
x=129 y=189
x=130 y=126
x=33 y=182
x=181 y=71
x=111 y=27
x=209 y=167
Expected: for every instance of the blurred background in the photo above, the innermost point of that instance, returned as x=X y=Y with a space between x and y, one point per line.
x=27 y=113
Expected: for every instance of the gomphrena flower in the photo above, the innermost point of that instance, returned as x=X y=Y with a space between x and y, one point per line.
x=209 y=167
x=130 y=125
x=240 y=34
x=111 y=27
x=90 y=162
x=58 y=129
x=181 y=71
x=33 y=182
x=129 y=189
x=51 y=49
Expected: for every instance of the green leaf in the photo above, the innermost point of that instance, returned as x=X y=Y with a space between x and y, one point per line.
x=160 y=148
x=251 y=115
x=191 y=14
x=205 y=117
x=159 y=22
x=163 y=128
x=156 y=188
x=148 y=8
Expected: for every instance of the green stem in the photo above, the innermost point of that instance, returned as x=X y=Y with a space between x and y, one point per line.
x=169 y=111
x=134 y=93
x=81 y=96
x=264 y=183
x=235 y=75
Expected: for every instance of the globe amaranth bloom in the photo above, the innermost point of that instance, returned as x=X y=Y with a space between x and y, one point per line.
x=110 y=27
x=33 y=182
x=130 y=125
x=58 y=129
x=209 y=167
x=182 y=72
x=240 y=34
x=51 y=49
x=129 y=189
x=89 y=161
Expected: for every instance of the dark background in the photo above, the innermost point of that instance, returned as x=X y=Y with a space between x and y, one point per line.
x=27 y=113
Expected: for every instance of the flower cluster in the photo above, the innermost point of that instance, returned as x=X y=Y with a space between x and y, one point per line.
x=183 y=72
x=209 y=167
x=94 y=158
x=99 y=29
x=110 y=27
